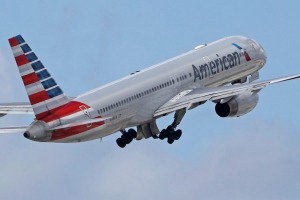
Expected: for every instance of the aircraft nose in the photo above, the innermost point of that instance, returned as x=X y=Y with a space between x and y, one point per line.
x=262 y=50
x=263 y=53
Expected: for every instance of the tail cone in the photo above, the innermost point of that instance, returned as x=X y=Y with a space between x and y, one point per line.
x=26 y=135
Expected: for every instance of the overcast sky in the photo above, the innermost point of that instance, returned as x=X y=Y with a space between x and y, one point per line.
x=85 y=44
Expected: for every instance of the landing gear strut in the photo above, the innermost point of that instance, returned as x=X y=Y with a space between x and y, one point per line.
x=170 y=132
x=126 y=138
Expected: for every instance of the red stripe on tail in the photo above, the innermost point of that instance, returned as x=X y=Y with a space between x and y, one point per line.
x=47 y=113
x=30 y=78
x=21 y=60
x=13 y=42
x=68 y=109
x=38 y=97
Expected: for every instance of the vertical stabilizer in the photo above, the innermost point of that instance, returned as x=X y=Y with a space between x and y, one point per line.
x=44 y=94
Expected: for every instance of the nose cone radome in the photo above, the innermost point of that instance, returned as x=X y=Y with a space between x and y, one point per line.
x=263 y=53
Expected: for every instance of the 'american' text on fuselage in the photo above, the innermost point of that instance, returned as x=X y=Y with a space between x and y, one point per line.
x=216 y=66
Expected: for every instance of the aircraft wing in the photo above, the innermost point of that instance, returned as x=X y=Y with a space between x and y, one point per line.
x=15 y=108
x=189 y=98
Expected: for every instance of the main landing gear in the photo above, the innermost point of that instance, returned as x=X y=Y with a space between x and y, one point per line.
x=148 y=130
x=170 y=132
x=126 y=138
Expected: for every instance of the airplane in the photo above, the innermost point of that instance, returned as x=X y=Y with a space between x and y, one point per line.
x=224 y=72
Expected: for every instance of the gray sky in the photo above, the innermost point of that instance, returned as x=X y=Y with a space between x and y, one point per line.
x=85 y=44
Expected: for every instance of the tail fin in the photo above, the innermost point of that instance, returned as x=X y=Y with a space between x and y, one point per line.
x=44 y=94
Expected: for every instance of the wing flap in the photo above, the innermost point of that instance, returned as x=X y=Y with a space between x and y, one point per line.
x=198 y=95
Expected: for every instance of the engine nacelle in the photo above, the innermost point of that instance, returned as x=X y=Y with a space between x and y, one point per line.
x=238 y=105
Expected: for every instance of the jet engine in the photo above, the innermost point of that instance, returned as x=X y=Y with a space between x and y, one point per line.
x=238 y=105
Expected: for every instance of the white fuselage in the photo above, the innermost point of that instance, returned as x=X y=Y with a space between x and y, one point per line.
x=133 y=100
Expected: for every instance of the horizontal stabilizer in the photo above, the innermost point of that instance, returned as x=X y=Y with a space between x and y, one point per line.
x=21 y=129
x=15 y=108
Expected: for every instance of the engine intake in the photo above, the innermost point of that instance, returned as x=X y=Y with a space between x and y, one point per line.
x=238 y=105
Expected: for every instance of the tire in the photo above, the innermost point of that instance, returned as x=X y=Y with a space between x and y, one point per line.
x=170 y=129
x=171 y=140
x=126 y=138
x=132 y=133
x=178 y=134
x=163 y=134
x=121 y=143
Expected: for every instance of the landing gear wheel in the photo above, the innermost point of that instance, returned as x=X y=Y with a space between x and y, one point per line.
x=121 y=143
x=178 y=134
x=170 y=132
x=170 y=129
x=132 y=133
x=126 y=138
x=163 y=134
x=171 y=139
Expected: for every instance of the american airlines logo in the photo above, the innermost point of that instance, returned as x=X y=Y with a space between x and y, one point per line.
x=220 y=64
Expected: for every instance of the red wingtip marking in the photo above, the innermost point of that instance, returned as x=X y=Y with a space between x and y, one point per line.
x=13 y=42
x=21 y=60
